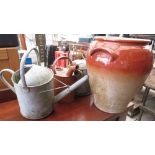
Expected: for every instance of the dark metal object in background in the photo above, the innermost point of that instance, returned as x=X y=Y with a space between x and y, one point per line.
x=133 y=111
x=41 y=43
x=9 y=40
x=99 y=34
x=143 y=36
x=145 y=96
x=152 y=44
x=51 y=54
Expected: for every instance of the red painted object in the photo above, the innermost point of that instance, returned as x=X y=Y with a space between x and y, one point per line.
x=65 y=77
x=61 y=63
x=117 y=69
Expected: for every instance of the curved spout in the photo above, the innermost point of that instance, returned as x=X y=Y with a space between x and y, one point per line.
x=70 y=89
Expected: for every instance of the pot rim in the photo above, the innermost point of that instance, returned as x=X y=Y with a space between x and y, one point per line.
x=123 y=40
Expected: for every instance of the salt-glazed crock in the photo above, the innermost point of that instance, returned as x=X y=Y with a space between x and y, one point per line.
x=117 y=69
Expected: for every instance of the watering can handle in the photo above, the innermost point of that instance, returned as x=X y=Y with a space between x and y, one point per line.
x=4 y=80
x=23 y=60
x=59 y=58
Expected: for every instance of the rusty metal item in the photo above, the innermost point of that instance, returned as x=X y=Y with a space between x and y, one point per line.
x=65 y=76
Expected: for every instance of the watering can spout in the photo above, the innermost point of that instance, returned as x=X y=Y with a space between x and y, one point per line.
x=70 y=89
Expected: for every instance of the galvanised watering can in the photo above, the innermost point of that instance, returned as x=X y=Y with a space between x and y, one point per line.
x=34 y=88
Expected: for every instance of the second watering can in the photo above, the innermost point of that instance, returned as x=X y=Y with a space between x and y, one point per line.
x=34 y=88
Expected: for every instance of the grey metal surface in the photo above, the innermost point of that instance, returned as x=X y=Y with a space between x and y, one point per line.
x=22 y=64
x=70 y=88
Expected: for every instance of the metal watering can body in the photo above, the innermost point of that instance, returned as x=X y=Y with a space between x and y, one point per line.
x=32 y=102
x=34 y=105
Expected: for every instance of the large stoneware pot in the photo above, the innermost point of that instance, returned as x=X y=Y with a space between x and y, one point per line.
x=117 y=69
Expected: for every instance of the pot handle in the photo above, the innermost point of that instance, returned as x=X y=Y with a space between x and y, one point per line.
x=22 y=63
x=56 y=60
x=104 y=50
x=5 y=81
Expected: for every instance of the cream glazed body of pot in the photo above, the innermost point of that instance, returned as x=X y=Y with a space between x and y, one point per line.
x=117 y=69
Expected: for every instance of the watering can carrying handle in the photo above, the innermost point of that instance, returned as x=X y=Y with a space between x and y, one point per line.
x=56 y=60
x=104 y=50
x=4 y=80
x=22 y=71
